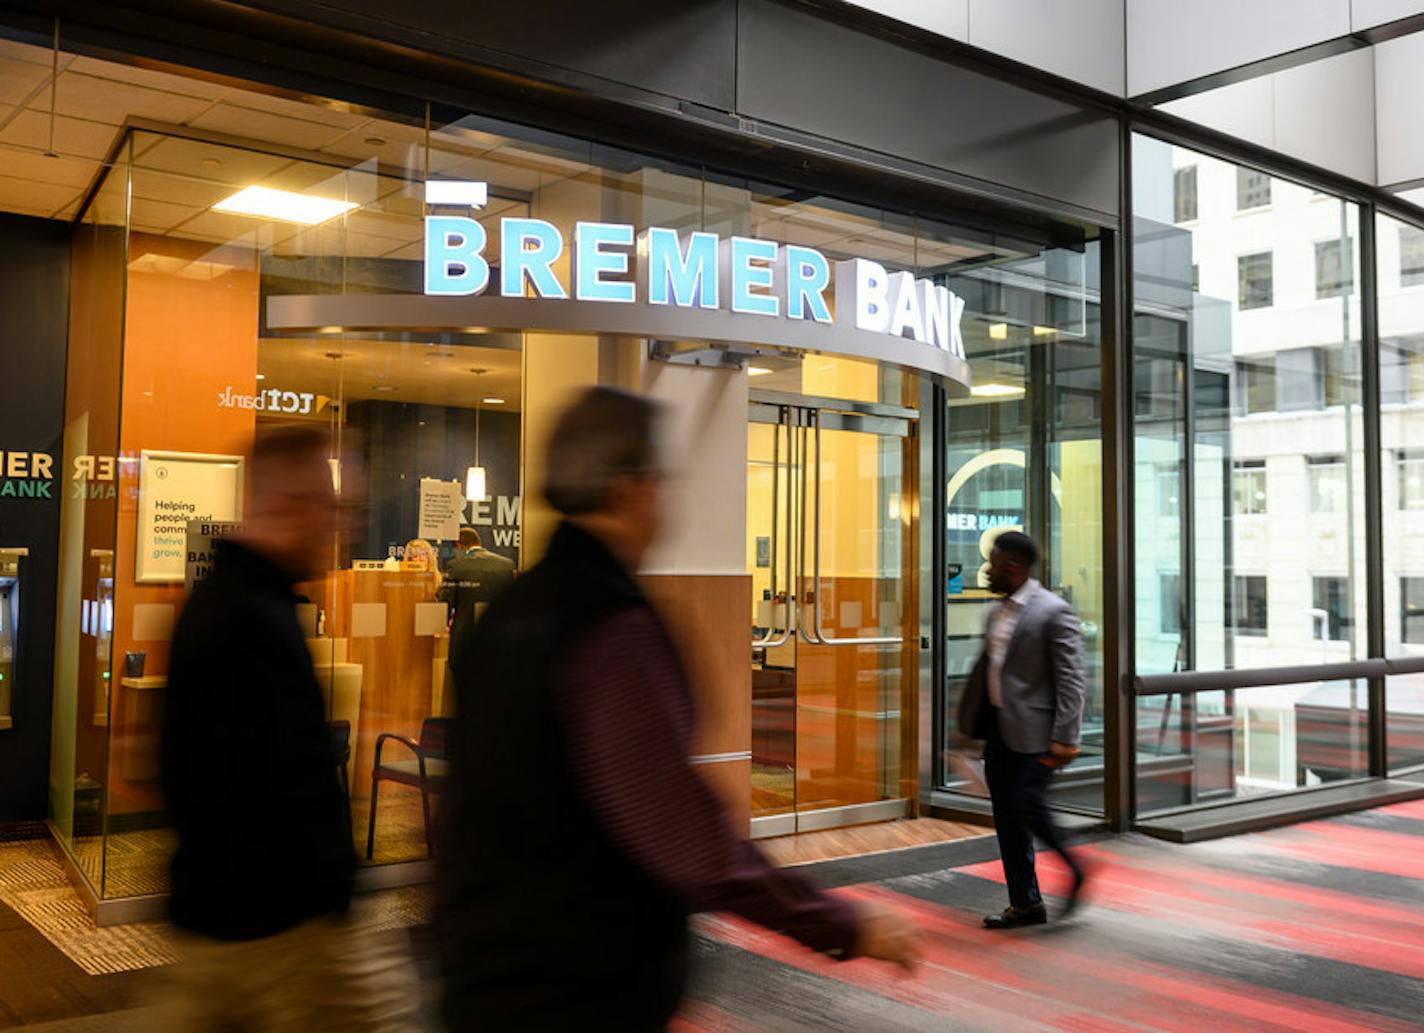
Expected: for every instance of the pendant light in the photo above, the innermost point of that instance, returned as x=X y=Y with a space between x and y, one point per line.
x=475 y=475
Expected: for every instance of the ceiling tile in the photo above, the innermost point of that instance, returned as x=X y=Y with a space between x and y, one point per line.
x=265 y=126
x=307 y=110
x=73 y=172
x=153 y=216
x=185 y=190
x=14 y=51
x=112 y=70
x=222 y=227
x=32 y=195
x=72 y=136
x=234 y=167
x=385 y=224
x=19 y=79
x=104 y=100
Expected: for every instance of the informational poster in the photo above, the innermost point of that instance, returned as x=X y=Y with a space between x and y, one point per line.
x=202 y=536
x=441 y=503
x=175 y=489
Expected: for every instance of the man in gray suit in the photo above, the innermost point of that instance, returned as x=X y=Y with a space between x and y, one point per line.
x=473 y=578
x=1024 y=698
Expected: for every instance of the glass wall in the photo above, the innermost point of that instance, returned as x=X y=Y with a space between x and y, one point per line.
x=1024 y=452
x=1400 y=276
x=194 y=238
x=1249 y=475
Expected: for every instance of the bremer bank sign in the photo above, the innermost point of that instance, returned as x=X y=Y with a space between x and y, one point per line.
x=736 y=295
x=613 y=263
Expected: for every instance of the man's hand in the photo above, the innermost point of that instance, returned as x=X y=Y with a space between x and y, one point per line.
x=885 y=935
x=1060 y=755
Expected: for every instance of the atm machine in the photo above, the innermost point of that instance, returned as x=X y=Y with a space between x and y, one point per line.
x=10 y=568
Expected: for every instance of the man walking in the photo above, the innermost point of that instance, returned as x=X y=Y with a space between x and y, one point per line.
x=263 y=873
x=580 y=838
x=1025 y=699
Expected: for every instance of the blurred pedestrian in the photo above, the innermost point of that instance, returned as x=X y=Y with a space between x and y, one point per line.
x=262 y=877
x=580 y=838
x=1024 y=698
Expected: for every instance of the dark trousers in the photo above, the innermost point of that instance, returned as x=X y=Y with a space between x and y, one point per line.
x=1018 y=789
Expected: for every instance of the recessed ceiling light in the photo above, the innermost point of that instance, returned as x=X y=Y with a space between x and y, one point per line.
x=262 y=376
x=492 y=400
x=374 y=141
x=283 y=205
x=383 y=388
x=996 y=390
x=442 y=355
x=1042 y=331
x=211 y=163
x=757 y=371
x=999 y=331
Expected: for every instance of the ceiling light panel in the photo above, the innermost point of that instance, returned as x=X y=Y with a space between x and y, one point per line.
x=283 y=206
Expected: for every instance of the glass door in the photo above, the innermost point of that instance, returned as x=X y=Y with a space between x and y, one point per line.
x=831 y=550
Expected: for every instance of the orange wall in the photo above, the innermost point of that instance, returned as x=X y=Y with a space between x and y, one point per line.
x=186 y=339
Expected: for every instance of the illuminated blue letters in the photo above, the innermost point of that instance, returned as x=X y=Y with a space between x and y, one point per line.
x=517 y=258
x=807 y=276
x=453 y=264
x=682 y=278
x=745 y=276
x=590 y=263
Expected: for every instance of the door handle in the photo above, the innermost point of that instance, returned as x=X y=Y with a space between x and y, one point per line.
x=772 y=640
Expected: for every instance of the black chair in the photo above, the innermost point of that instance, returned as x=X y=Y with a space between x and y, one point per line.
x=428 y=772
x=341 y=751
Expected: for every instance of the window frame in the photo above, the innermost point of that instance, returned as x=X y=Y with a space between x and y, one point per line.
x=1243 y=282
x=1240 y=598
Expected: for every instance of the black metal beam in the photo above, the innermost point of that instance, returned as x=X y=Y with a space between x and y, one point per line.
x=1119 y=702
x=1374 y=490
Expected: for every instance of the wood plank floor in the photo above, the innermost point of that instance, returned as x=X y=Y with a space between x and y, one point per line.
x=865 y=839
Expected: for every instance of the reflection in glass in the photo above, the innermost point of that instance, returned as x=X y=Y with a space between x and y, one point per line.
x=1024 y=452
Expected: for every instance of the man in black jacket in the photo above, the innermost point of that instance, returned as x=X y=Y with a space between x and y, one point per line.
x=262 y=876
x=579 y=837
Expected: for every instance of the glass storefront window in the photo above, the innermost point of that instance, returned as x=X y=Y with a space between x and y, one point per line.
x=1216 y=746
x=1399 y=247
x=1025 y=452
x=1247 y=360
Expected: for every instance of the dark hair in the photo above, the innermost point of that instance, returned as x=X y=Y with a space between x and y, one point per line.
x=288 y=446
x=469 y=536
x=604 y=435
x=1018 y=545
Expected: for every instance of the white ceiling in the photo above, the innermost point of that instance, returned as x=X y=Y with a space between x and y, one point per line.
x=377 y=163
x=419 y=373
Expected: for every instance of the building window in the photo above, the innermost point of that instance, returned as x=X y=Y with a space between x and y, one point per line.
x=1332 y=615
x=1254 y=281
x=1248 y=488
x=1248 y=605
x=1329 y=486
x=1253 y=189
x=1255 y=385
x=1411 y=480
x=1402 y=369
x=1411 y=256
x=1411 y=610
x=1334 y=268
x=1184 y=194
x=1196 y=278
x=1169 y=490
x=1170 y=607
